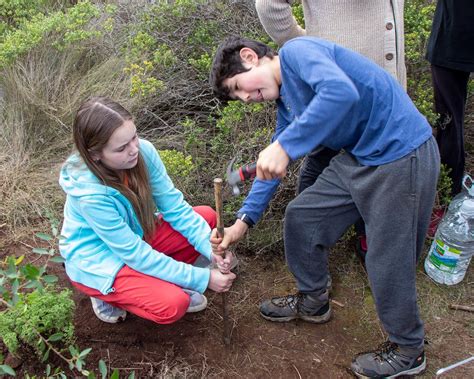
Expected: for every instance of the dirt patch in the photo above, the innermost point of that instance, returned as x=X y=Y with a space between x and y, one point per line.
x=193 y=346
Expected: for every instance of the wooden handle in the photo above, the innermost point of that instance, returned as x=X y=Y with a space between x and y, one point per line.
x=220 y=233
x=218 y=200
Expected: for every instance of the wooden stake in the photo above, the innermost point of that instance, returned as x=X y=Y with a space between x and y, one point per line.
x=220 y=232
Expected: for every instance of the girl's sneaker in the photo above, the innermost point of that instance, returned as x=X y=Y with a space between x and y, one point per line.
x=106 y=312
x=198 y=301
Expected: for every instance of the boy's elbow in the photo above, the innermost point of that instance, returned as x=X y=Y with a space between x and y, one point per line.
x=352 y=95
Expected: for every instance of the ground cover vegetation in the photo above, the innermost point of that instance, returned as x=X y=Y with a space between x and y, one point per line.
x=153 y=57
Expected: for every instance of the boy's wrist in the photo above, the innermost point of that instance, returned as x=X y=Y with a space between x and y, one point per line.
x=246 y=219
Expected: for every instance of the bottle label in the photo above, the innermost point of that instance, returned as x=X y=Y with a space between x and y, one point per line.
x=443 y=257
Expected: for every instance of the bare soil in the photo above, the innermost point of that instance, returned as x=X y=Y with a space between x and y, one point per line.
x=194 y=348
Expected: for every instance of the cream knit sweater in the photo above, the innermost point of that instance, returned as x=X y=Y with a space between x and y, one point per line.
x=373 y=28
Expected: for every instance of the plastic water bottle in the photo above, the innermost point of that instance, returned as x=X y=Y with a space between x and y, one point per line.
x=453 y=245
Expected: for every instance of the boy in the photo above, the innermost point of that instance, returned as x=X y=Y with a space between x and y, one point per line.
x=330 y=96
x=379 y=37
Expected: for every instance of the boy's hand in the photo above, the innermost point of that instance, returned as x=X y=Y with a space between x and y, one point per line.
x=231 y=235
x=272 y=162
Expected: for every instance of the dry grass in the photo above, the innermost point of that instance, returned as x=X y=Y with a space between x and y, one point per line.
x=27 y=192
x=40 y=95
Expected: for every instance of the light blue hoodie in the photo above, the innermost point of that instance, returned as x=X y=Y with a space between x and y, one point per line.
x=102 y=232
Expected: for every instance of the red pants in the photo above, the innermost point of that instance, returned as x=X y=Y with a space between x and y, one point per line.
x=149 y=297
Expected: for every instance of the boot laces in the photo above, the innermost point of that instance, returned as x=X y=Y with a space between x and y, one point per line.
x=291 y=301
x=383 y=351
x=390 y=353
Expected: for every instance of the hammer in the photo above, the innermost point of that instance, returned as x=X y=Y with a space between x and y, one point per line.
x=239 y=175
x=220 y=233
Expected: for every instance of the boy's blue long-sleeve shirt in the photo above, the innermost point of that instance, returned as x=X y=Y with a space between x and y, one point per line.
x=333 y=97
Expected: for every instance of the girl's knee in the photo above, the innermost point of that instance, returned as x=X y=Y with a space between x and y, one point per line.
x=208 y=214
x=175 y=309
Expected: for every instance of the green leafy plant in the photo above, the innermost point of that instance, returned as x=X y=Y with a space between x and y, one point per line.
x=297 y=9
x=38 y=317
x=202 y=64
x=73 y=25
x=17 y=276
x=445 y=184
x=177 y=164
x=194 y=135
x=418 y=19
x=141 y=82
x=35 y=312
x=14 y=13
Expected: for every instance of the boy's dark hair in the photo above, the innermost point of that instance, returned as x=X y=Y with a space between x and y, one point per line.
x=227 y=62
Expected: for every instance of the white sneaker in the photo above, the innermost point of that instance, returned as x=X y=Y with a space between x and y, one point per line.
x=198 y=301
x=106 y=312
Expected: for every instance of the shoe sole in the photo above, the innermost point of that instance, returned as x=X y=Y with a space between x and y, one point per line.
x=112 y=320
x=414 y=371
x=313 y=319
x=108 y=320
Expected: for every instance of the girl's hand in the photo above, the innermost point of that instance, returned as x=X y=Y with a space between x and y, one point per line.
x=224 y=264
x=220 y=282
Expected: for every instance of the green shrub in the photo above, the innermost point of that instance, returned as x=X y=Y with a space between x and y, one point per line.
x=14 y=13
x=195 y=136
x=73 y=25
x=46 y=313
x=418 y=20
x=177 y=164
x=202 y=64
x=234 y=122
x=445 y=184
x=297 y=9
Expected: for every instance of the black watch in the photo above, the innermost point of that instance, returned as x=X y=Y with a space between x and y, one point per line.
x=243 y=217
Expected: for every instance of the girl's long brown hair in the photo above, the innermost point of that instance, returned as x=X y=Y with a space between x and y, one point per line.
x=95 y=122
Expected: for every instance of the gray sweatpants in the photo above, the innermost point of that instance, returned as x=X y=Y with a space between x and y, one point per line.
x=395 y=201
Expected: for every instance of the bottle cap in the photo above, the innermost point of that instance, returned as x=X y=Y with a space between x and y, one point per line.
x=467 y=179
x=467 y=207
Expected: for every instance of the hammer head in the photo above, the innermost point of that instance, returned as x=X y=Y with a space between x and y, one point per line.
x=233 y=177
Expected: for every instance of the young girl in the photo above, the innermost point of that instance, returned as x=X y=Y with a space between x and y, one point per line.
x=117 y=250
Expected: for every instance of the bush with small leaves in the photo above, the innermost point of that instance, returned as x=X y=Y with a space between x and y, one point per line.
x=297 y=10
x=47 y=313
x=177 y=164
x=14 y=13
x=445 y=185
x=418 y=19
x=71 y=26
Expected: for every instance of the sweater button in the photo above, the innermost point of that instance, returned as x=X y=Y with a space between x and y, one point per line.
x=389 y=56
x=389 y=26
